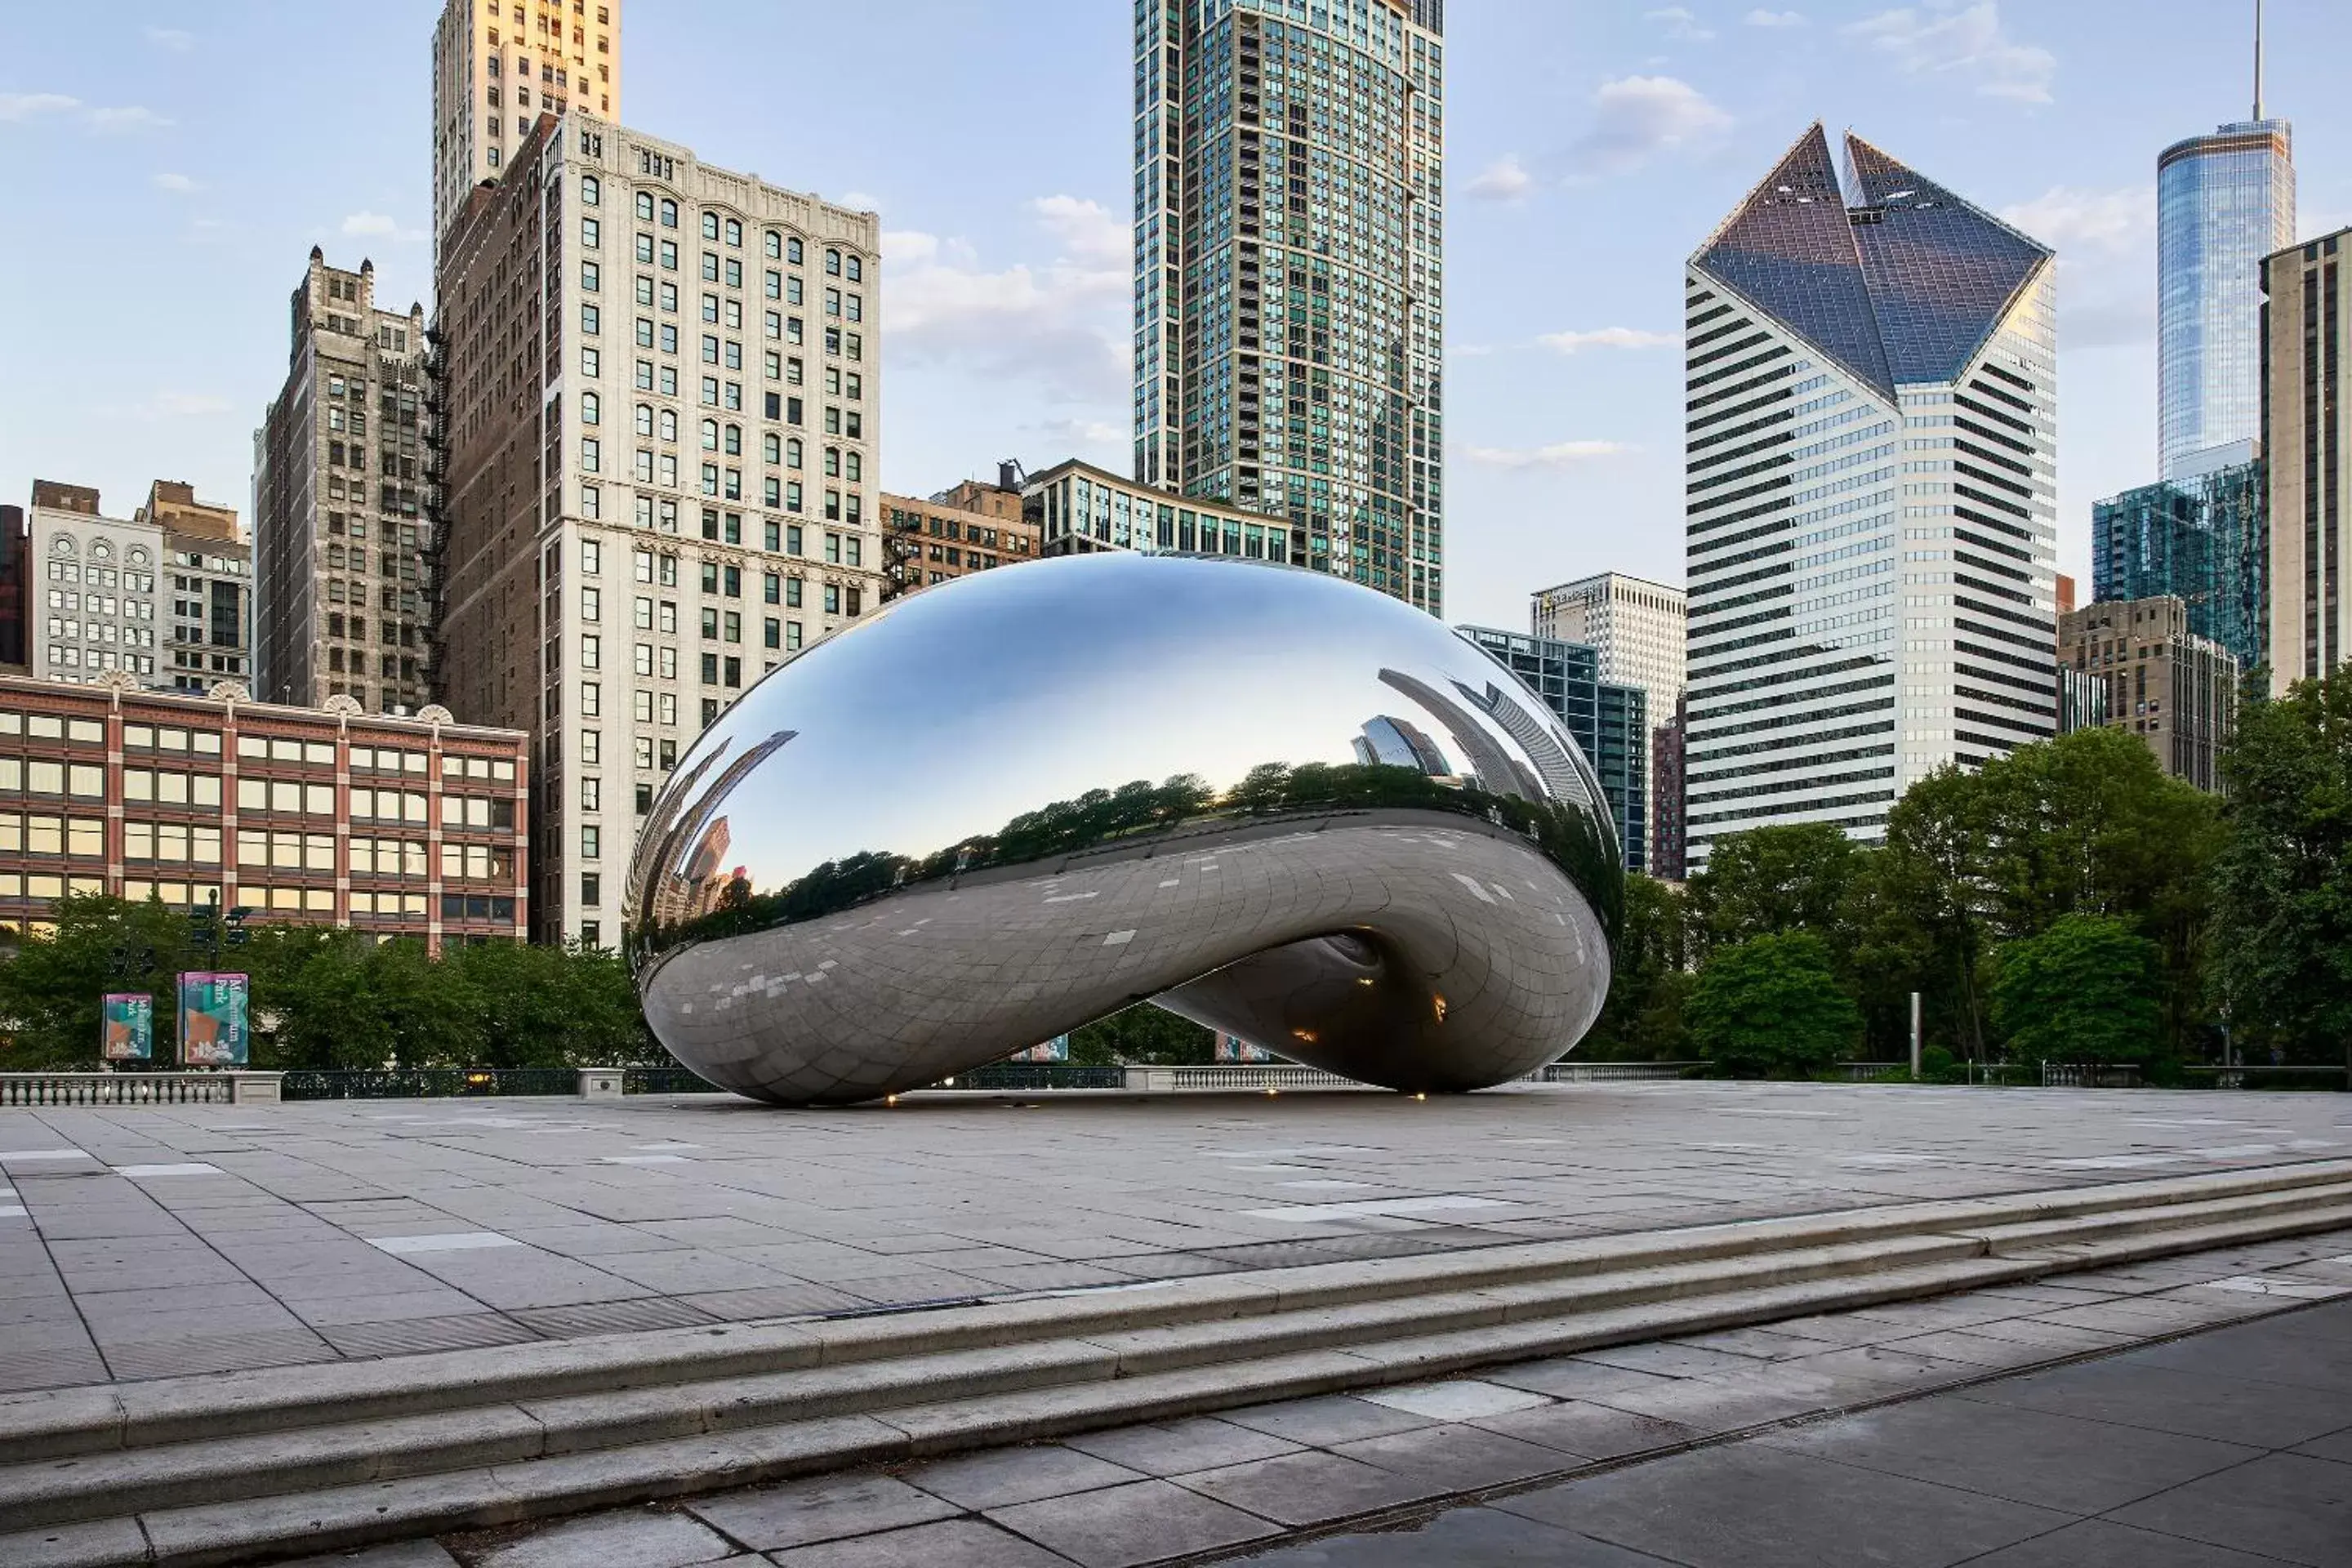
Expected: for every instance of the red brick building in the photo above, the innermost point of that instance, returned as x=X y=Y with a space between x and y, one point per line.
x=399 y=827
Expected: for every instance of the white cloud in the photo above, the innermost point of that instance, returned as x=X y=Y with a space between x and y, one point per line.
x=1061 y=325
x=1680 y=24
x=1944 y=37
x=1606 y=338
x=2075 y=221
x=26 y=105
x=859 y=202
x=1637 y=118
x=1503 y=180
x=1760 y=18
x=129 y=117
x=179 y=184
x=178 y=40
x=1559 y=455
x=366 y=224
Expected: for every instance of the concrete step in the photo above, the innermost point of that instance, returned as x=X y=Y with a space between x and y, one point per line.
x=284 y=1470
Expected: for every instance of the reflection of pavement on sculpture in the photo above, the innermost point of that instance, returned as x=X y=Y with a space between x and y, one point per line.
x=1474 y=924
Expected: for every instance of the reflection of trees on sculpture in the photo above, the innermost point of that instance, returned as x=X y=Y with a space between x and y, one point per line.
x=1112 y=821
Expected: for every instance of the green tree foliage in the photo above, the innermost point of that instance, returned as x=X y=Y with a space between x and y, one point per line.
x=1648 y=983
x=1142 y=1036
x=322 y=997
x=1775 y=879
x=2083 y=991
x=2281 y=945
x=1772 y=1007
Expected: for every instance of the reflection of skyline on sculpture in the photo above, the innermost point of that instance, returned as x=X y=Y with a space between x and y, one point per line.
x=1336 y=831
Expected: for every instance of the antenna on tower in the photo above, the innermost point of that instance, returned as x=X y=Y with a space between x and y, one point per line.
x=2258 y=59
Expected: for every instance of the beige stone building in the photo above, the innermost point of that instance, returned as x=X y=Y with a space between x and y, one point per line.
x=2163 y=682
x=2307 y=443
x=662 y=393
x=90 y=601
x=498 y=65
x=338 y=502
x=203 y=603
x=973 y=527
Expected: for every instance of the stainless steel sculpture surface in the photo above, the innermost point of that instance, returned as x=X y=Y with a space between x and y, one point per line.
x=1265 y=798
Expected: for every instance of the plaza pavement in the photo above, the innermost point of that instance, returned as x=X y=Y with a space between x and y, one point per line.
x=141 y=1242
x=2026 y=1426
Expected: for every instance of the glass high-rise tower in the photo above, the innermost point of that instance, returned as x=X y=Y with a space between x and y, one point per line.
x=2223 y=202
x=1289 y=237
x=1872 y=433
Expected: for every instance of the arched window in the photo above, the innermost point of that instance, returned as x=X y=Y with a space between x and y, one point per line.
x=832 y=462
x=710 y=435
x=735 y=233
x=669 y=425
x=710 y=225
x=591 y=191
x=793 y=251
x=775 y=243
x=669 y=213
x=856 y=466
x=645 y=205
x=771 y=448
x=857 y=269
x=793 y=453
x=833 y=264
x=644 y=418
x=592 y=408
x=734 y=440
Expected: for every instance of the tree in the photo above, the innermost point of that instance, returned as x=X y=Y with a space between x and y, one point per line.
x=1774 y=880
x=1771 y=1005
x=1142 y=1035
x=2282 y=885
x=50 y=990
x=1649 y=980
x=2083 y=991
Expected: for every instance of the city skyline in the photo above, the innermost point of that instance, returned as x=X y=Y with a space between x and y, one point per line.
x=1010 y=310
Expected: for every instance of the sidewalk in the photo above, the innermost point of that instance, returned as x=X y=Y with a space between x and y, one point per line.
x=1907 y=1435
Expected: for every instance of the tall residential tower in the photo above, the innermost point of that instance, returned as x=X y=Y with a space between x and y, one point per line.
x=1872 y=427
x=1289 y=237
x=2224 y=203
x=2308 y=439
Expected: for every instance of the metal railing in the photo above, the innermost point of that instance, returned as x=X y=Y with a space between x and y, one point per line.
x=1036 y=1075
x=666 y=1080
x=429 y=1083
x=2266 y=1076
x=132 y=1088
x=1615 y=1072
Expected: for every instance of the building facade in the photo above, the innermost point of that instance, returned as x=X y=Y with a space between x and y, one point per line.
x=661 y=409
x=1669 y=841
x=92 y=609
x=2146 y=671
x=2204 y=540
x=2307 y=441
x=496 y=67
x=392 y=826
x=1872 y=421
x=1078 y=508
x=204 y=599
x=1609 y=720
x=973 y=527
x=1638 y=627
x=1289 y=274
x=16 y=586
x=2224 y=203
x=338 y=502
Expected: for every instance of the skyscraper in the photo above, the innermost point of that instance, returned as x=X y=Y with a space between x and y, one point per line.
x=1609 y=720
x=2307 y=442
x=1870 y=369
x=1638 y=628
x=2203 y=539
x=631 y=524
x=1289 y=278
x=2224 y=203
x=338 y=490
x=497 y=66
x=2175 y=689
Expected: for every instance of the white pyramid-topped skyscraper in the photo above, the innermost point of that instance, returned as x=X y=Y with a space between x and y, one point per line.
x=1872 y=375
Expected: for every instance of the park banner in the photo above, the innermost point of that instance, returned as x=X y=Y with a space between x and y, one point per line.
x=129 y=1035
x=212 y=1020
x=1234 y=1048
x=1056 y=1049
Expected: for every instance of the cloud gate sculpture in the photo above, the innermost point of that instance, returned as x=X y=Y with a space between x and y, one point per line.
x=1264 y=798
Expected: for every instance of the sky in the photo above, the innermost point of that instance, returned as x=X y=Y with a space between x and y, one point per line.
x=165 y=168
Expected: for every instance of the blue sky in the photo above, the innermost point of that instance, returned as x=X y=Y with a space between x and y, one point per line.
x=165 y=170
